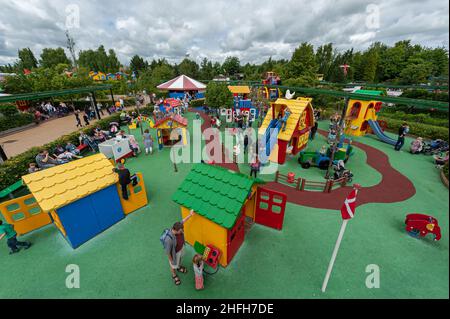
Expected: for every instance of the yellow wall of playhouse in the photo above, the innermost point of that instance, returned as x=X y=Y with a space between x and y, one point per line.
x=137 y=196
x=353 y=124
x=25 y=214
x=249 y=205
x=201 y=229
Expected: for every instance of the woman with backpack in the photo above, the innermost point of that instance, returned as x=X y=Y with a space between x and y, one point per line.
x=173 y=243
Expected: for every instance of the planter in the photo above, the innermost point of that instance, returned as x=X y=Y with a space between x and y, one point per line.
x=444 y=178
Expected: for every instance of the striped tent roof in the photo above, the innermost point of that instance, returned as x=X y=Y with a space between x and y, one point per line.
x=182 y=83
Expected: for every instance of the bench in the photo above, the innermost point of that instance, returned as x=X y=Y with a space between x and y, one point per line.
x=82 y=148
x=8 y=191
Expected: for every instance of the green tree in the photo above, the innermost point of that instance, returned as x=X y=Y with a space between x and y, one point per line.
x=416 y=72
x=162 y=73
x=303 y=61
x=52 y=57
x=26 y=59
x=138 y=64
x=218 y=95
x=113 y=62
x=188 y=67
x=231 y=65
x=324 y=59
x=99 y=60
x=206 y=70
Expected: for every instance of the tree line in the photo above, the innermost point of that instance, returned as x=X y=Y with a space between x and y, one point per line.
x=402 y=63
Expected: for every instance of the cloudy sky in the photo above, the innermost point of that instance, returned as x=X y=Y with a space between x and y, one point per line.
x=253 y=30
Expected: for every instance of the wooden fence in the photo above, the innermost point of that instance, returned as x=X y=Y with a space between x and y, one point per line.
x=302 y=184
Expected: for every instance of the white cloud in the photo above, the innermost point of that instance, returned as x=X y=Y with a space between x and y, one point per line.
x=250 y=29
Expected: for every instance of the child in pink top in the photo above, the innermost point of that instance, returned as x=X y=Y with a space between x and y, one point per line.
x=198 y=271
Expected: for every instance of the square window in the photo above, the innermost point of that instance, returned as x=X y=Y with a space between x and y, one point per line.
x=18 y=216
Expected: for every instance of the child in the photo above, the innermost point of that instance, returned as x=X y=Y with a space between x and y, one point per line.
x=255 y=167
x=134 y=145
x=148 y=142
x=72 y=149
x=7 y=230
x=32 y=168
x=198 y=271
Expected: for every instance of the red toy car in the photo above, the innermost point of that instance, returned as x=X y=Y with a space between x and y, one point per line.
x=420 y=225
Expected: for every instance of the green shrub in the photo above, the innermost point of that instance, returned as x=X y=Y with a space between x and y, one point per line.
x=417 y=118
x=197 y=103
x=146 y=110
x=18 y=120
x=15 y=167
x=8 y=110
x=418 y=129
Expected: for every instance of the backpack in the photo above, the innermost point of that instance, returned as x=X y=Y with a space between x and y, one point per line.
x=162 y=239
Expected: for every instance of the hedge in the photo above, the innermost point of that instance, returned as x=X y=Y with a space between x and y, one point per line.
x=417 y=118
x=197 y=103
x=15 y=167
x=418 y=129
x=18 y=120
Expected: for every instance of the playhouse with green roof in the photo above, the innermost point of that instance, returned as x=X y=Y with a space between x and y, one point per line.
x=223 y=201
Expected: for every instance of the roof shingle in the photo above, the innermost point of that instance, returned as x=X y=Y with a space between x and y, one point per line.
x=63 y=184
x=215 y=193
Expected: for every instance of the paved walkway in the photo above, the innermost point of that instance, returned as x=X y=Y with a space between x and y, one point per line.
x=44 y=133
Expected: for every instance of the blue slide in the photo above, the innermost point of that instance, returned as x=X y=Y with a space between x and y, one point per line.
x=378 y=132
x=274 y=125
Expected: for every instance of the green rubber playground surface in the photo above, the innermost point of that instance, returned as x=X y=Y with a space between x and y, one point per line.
x=127 y=260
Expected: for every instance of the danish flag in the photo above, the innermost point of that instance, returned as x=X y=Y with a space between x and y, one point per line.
x=348 y=209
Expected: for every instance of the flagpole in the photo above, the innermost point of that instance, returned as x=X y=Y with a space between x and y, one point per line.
x=333 y=256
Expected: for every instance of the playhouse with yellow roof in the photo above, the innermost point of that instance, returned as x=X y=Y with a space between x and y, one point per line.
x=280 y=139
x=82 y=198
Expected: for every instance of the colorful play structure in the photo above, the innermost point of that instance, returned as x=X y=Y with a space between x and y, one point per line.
x=419 y=225
x=317 y=159
x=271 y=78
x=171 y=130
x=279 y=140
x=223 y=202
x=169 y=104
x=100 y=76
x=81 y=198
x=361 y=117
x=242 y=102
x=116 y=148
x=181 y=85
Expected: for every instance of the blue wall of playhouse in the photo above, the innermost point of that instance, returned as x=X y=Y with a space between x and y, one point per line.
x=89 y=216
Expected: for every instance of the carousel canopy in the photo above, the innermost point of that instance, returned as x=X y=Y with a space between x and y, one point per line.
x=182 y=83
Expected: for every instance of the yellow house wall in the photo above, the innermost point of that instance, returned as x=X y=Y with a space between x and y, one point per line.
x=201 y=229
x=352 y=126
x=250 y=204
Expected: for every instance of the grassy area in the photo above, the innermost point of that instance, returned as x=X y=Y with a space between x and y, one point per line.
x=127 y=260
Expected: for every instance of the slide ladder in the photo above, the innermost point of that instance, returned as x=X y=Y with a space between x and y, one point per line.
x=375 y=126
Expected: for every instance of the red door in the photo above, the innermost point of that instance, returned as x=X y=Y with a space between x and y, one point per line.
x=270 y=206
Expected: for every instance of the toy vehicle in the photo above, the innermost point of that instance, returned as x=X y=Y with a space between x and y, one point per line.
x=308 y=159
x=420 y=225
x=317 y=159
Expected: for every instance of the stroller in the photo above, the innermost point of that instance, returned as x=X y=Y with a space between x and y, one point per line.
x=113 y=129
x=340 y=171
x=435 y=147
x=89 y=141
